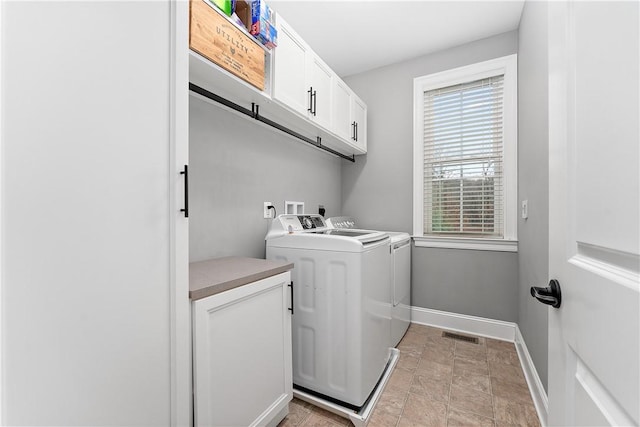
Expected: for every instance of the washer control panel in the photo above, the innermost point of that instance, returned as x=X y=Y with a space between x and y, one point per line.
x=293 y=223
x=311 y=221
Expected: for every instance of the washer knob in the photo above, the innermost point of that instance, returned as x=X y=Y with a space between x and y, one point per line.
x=307 y=223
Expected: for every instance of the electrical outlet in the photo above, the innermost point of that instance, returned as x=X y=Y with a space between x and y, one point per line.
x=267 y=213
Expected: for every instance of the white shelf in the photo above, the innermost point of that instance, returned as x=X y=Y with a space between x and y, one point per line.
x=209 y=76
x=213 y=78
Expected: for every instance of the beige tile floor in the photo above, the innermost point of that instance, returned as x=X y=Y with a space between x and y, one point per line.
x=442 y=382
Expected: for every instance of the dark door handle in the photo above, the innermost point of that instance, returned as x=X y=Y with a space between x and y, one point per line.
x=310 y=92
x=550 y=295
x=291 y=286
x=185 y=172
x=315 y=100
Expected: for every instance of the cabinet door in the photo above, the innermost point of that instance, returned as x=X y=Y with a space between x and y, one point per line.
x=342 y=123
x=289 y=62
x=320 y=81
x=359 y=114
x=242 y=354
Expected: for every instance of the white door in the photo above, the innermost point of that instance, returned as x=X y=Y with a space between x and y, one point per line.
x=94 y=301
x=594 y=219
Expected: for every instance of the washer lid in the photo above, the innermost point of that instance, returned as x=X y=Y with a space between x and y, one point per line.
x=364 y=236
x=398 y=236
x=309 y=231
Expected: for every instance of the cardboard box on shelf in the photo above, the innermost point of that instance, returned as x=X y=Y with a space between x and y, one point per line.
x=222 y=42
x=243 y=11
x=263 y=23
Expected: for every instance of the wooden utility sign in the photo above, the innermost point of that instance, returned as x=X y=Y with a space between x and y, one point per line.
x=217 y=39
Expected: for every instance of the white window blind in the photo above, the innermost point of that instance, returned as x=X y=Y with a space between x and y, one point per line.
x=463 y=159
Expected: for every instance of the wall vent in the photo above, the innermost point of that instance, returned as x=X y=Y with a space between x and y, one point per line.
x=459 y=337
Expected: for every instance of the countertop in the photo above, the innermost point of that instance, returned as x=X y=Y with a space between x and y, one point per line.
x=213 y=276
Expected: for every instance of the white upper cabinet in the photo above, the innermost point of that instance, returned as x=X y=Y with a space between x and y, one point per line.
x=349 y=116
x=302 y=81
x=305 y=84
x=289 y=76
x=320 y=81
x=342 y=123
x=359 y=118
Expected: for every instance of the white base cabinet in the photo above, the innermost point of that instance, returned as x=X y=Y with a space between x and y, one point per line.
x=242 y=354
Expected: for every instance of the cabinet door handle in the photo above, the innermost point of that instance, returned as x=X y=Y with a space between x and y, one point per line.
x=185 y=172
x=356 y=131
x=291 y=287
x=353 y=131
x=310 y=92
x=315 y=98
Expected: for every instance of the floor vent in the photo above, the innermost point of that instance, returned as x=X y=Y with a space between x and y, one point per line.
x=459 y=337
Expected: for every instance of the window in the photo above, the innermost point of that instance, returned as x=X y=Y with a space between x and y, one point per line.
x=465 y=177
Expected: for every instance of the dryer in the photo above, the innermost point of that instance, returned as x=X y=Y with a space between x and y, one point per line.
x=341 y=317
x=400 y=283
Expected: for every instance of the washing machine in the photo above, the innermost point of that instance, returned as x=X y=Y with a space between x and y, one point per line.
x=341 y=312
x=400 y=284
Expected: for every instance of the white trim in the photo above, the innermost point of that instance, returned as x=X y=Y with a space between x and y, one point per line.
x=538 y=394
x=180 y=306
x=418 y=164
x=506 y=65
x=2 y=204
x=490 y=328
x=478 y=244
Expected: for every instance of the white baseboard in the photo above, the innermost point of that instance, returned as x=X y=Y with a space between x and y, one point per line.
x=539 y=395
x=496 y=329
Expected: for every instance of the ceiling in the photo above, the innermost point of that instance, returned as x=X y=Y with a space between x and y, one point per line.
x=354 y=36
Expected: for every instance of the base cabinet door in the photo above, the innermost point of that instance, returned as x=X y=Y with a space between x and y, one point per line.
x=242 y=355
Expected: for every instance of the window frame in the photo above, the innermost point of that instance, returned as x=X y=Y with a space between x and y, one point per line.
x=506 y=65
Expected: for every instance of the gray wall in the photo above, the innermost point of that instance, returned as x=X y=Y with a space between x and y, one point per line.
x=533 y=180
x=476 y=283
x=236 y=164
x=377 y=189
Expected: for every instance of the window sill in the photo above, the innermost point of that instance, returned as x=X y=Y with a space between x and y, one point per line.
x=477 y=244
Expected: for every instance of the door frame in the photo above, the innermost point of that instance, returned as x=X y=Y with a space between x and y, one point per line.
x=1 y=217
x=180 y=305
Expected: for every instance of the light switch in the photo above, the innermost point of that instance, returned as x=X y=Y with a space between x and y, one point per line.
x=525 y=209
